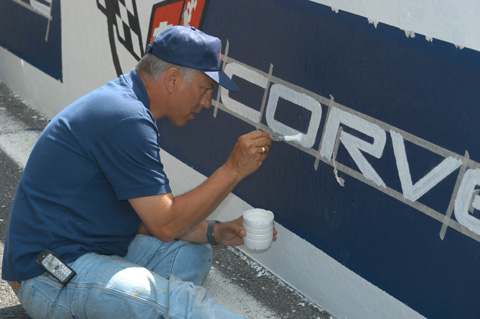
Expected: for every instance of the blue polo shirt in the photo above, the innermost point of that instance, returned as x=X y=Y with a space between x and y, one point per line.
x=73 y=196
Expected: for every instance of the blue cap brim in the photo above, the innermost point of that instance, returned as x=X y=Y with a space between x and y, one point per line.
x=221 y=78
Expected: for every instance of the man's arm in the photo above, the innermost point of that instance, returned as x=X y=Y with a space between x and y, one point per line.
x=229 y=233
x=167 y=217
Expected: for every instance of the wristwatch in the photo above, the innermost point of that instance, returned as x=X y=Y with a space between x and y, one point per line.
x=210 y=236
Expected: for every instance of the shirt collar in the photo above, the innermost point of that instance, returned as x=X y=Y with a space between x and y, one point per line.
x=134 y=80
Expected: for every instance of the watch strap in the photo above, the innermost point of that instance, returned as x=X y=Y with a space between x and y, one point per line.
x=210 y=235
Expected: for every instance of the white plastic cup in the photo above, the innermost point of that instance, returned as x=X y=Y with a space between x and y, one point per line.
x=257 y=231
x=260 y=237
x=258 y=218
x=258 y=223
x=257 y=244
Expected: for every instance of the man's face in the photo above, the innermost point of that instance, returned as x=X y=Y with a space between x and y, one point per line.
x=191 y=98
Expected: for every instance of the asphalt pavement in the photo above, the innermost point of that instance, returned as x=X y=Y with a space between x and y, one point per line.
x=235 y=281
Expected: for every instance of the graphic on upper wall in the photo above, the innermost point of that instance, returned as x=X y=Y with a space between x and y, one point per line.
x=123 y=23
x=176 y=12
x=39 y=41
x=124 y=26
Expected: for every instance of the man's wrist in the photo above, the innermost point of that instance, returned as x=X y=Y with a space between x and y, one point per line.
x=230 y=169
x=210 y=232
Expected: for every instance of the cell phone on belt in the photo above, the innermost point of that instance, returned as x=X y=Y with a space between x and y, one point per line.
x=55 y=266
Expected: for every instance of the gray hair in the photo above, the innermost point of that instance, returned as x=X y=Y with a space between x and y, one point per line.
x=154 y=67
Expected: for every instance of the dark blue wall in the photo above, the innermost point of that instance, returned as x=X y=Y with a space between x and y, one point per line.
x=28 y=35
x=428 y=89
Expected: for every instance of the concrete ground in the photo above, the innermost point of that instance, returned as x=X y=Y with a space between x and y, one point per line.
x=235 y=281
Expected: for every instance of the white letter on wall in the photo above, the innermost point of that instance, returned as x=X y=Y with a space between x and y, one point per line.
x=250 y=76
x=471 y=179
x=354 y=144
x=42 y=7
x=438 y=173
x=281 y=91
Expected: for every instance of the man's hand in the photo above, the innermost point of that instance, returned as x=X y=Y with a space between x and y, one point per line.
x=231 y=233
x=169 y=217
x=249 y=152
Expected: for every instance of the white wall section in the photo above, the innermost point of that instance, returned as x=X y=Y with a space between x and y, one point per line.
x=451 y=21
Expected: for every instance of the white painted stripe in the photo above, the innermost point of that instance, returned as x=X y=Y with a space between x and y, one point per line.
x=19 y=145
x=15 y=140
x=452 y=21
x=234 y=297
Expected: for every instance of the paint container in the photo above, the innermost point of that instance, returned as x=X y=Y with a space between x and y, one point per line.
x=258 y=218
x=258 y=223
x=257 y=231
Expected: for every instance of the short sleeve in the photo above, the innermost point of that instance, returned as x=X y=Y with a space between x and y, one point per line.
x=127 y=153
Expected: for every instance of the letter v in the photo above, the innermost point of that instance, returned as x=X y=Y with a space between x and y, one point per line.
x=438 y=173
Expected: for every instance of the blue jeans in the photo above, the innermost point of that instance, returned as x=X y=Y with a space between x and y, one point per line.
x=154 y=280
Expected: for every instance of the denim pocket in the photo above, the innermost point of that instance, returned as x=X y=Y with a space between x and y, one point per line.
x=39 y=297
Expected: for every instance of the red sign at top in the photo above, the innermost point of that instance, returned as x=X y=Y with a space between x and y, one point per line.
x=176 y=12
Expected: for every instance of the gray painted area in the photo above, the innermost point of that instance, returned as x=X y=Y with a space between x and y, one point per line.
x=235 y=280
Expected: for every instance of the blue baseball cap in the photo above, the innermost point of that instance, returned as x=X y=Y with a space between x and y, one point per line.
x=190 y=47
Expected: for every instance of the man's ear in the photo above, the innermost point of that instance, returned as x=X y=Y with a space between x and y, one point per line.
x=172 y=76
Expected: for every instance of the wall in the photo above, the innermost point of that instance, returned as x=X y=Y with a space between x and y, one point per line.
x=375 y=195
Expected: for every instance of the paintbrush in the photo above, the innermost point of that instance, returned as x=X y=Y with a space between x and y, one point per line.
x=297 y=138
x=278 y=138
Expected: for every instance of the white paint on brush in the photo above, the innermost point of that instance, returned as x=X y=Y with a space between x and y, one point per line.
x=294 y=138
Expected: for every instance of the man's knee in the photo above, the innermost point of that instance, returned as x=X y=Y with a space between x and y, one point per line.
x=133 y=281
x=201 y=255
x=192 y=262
x=208 y=255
